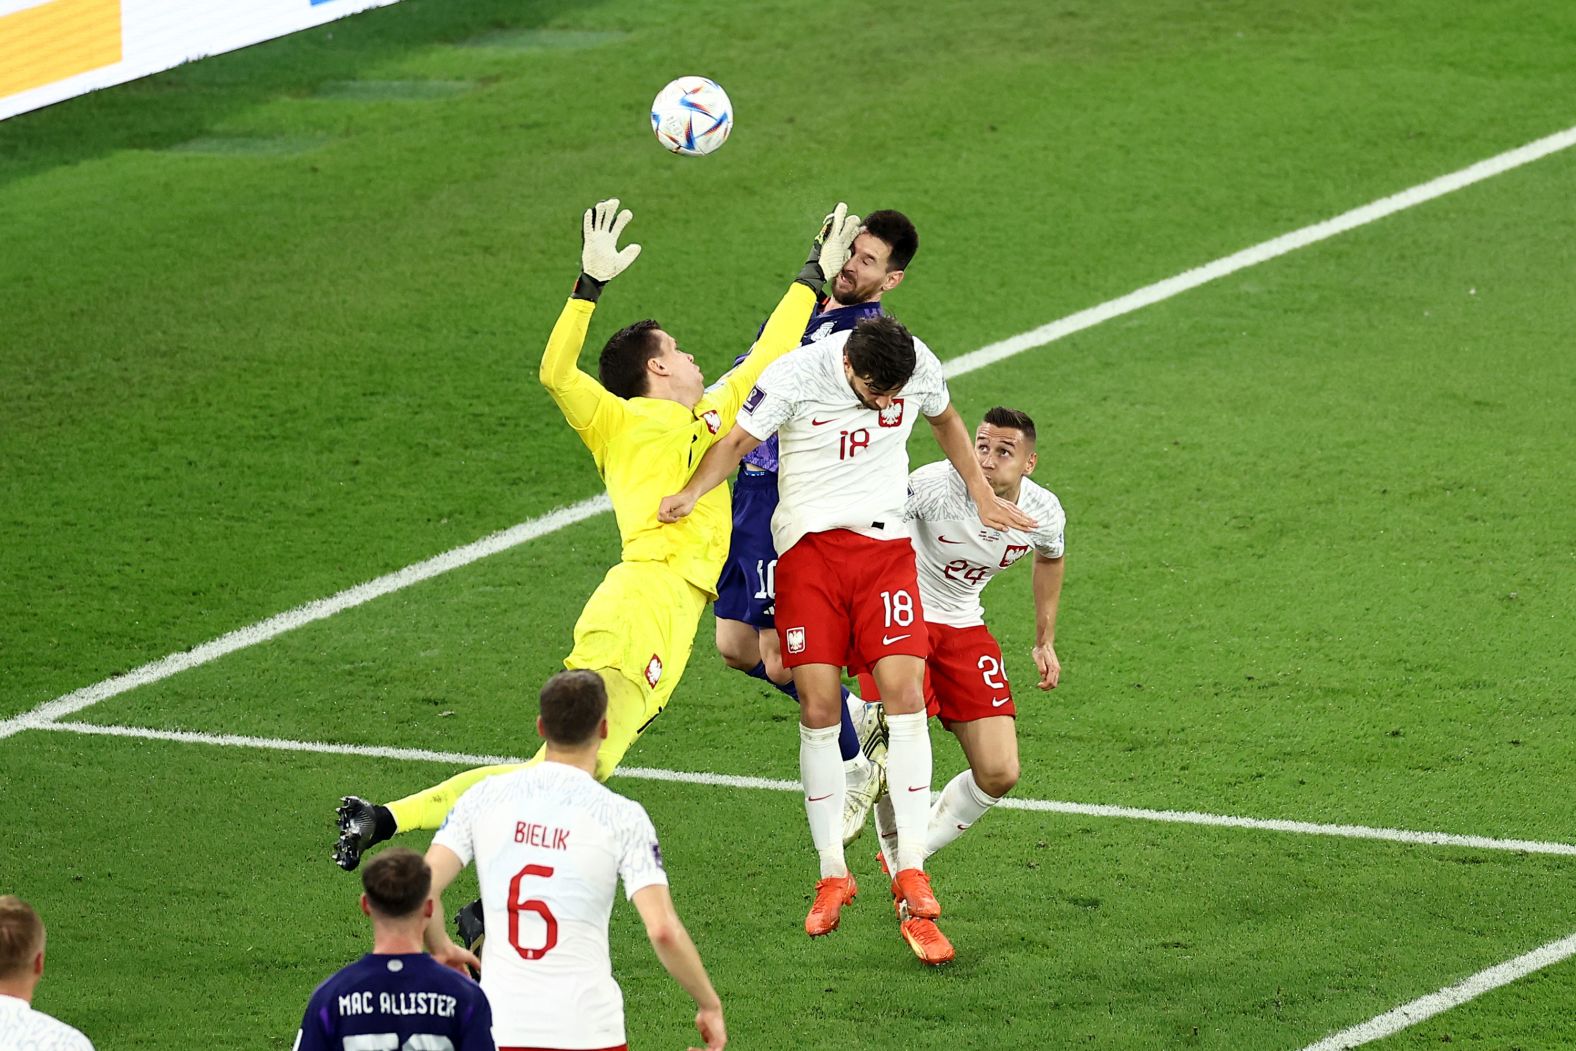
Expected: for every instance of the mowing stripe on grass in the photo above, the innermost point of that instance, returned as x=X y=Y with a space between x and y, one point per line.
x=1181 y=817
x=88 y=696
x=1426 y=1007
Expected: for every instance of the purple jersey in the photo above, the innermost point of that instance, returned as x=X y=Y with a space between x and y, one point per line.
x=822 y=324
x=397 y=1000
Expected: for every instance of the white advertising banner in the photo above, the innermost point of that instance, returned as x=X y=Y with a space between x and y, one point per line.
x=52 y=50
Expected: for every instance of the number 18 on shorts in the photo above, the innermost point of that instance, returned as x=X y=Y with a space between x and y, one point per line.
x=848 y=600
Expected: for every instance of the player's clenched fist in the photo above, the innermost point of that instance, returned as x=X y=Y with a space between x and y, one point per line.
x=675 y=507
x=709 y=1021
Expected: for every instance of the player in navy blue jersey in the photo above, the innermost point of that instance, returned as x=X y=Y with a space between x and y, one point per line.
x=747 y=589
x=397 y=996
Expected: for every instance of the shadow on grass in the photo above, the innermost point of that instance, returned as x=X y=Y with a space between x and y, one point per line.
x=183 y=104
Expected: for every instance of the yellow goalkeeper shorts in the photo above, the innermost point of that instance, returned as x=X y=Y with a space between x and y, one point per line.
x=641 y=621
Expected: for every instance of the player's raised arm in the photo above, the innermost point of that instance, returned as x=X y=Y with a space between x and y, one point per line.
x=953 y=438
x=577 y=395
x=829 y=252
x=1047 y=597
x=719 y=462
x=681 y=959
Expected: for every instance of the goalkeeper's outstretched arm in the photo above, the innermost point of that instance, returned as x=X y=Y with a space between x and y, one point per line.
x=577 y=395
x=829 y=251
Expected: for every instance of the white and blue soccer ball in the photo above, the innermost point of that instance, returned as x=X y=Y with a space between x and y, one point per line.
x=692 y=116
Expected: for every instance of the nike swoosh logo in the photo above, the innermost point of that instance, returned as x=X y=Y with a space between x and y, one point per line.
x=997 y=702
x=944 y=540
x=817 y=799
x=887 y=641
x=919 y=788
x=963 y=828
x=822 y=423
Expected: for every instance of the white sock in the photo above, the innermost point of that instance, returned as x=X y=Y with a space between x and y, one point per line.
x=961 y=804
x=908 y=781
x=886 y=829
x=856 y=770
x=821 y=773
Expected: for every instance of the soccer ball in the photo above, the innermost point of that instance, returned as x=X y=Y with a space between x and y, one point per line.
x=692 y=116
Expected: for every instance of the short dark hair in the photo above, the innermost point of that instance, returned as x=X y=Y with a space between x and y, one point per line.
x=574 y=703
x=21 y=935
x=898 y=232
x=397 y=882
x=623 y=362
x=881 y=352
x=1017 y=419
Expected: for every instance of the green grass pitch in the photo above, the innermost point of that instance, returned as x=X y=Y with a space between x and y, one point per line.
x=270 y=326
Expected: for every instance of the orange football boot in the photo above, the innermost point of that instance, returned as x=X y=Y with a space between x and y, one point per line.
x=913 y=886
x=831 y=894
x=927 y=941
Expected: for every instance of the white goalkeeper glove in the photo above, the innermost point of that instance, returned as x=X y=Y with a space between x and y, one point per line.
x=601 y=260
x=830 y=249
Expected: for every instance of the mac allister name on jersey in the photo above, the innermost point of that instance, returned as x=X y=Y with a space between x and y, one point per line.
x=394 y=1000
x=822 y=324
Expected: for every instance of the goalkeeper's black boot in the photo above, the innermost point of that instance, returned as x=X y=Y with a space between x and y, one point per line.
x=361 y=824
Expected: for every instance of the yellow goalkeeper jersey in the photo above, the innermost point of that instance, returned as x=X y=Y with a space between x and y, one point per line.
x=647 y=448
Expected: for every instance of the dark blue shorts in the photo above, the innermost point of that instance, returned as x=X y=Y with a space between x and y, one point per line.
x=747 y=589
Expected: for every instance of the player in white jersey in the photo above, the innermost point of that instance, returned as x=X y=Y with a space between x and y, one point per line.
x=842 y=409
x=550 y=845
x=965 y=680
x=21 y=968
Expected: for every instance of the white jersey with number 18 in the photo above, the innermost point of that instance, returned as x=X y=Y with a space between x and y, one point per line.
x=550 y=845
x=842 y=466
x=957 y=554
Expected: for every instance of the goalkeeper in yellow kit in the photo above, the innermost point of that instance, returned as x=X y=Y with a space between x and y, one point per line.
x=647 y=423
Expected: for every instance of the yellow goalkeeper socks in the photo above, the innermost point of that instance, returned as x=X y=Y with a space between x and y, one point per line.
x=628 y=715
x=428 y=808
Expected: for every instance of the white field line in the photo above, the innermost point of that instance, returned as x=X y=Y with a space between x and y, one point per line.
x=461 y=759
x=262 y=631
x=1426 y=1007
x=290 y=619
x=1262 y=252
